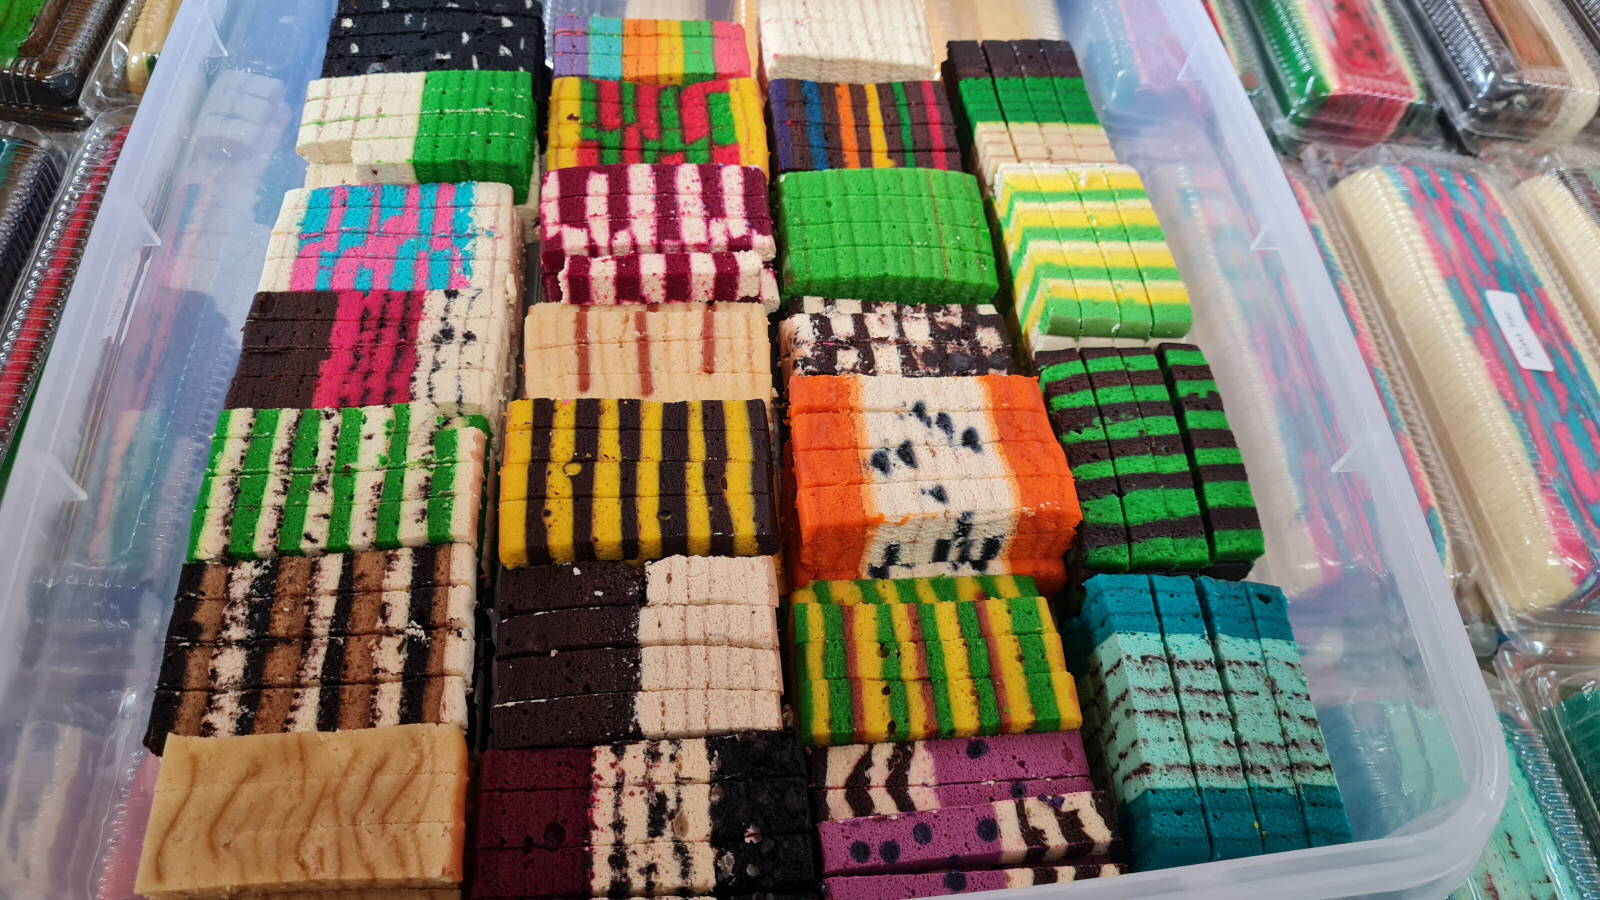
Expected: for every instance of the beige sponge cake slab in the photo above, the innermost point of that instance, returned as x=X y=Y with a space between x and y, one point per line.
x=232 y=816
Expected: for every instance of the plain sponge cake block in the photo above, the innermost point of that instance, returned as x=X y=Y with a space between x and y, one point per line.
x=401 y=812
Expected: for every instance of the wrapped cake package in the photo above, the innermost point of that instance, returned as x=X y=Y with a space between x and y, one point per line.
x=30 y=171
x=1441 y=506
x=1233 y=26
x=1562 y=198
x=47 y=51
x=1503 y=365
x=1538 y=849
x=1340 y=71
x=1510 y=69
x=41 y=294
x=129 y=58
x=1562 y=699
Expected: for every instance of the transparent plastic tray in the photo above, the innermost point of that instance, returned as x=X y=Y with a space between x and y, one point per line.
x=107 y=470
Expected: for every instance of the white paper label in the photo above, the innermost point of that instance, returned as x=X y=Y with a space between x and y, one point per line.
x=1518 y=333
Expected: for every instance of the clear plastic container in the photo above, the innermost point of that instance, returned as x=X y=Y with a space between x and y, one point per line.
x=1511 y=69
x=106 y=472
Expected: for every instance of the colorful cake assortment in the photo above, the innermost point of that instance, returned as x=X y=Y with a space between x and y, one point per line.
x=664 y=233
x=910 y=477
x=1195 y=701
x=400 y=816
x=1023 y=101
x=291 y=482
x=1516 y=69
x=1159 y=477
x=845 y=41
x=429 y=237
x=885 y=235
x=1341 y=70
x=1089 y=264
x=848 y=337
x=720 y=815
x=423 y=128
x=593 y=653
x=908 y=671
x=668 y=353
x=827 y=125
x=649 y=51
x=601 y=123
x=333 y=643
x=451 y=349
x=1482 y=303
x=635 y=480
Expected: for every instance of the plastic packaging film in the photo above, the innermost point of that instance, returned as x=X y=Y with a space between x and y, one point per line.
x=1538 y=849
x=1233 y=26
x=1564 y=205
x=1340 y=69
x=1441 y=507
x=31 y=319
x=47 y=50
x=1511 y=68
x=1503 y=366
x=1563 y=698
x=30 y=170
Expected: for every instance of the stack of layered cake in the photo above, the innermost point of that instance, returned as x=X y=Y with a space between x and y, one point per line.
x=635 y=480
x=715 y=816
x=958 y=816
x=1196 y=702
x=649 y=51
x=1088 y=261
x=422 y=128
x=597 y=122
x=1159 y=476
x=912 y=659
x=594 y=653
x=831 y=125
x=334 y=643
x=845 y=41
x=848 y=337
x=907 y=477
x=429 y=237
x=639 y=233
x=1023 y=101
x=892 y=235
